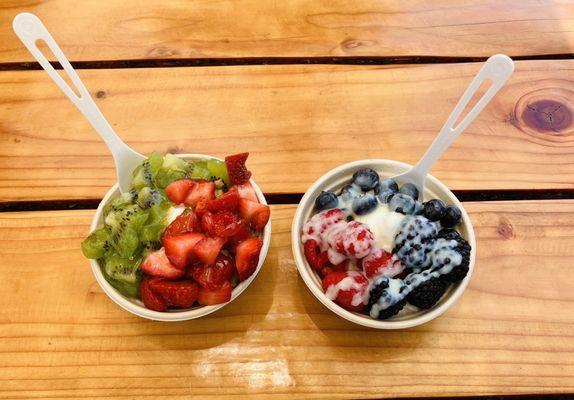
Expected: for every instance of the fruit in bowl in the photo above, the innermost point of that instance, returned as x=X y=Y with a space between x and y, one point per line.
x=187 y=234
x=378 y=248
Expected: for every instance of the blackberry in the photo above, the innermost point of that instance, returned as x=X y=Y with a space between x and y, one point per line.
x=448 y=234
x=415 y=240
x=376 y=293
x=459 y=271
x=427 y=294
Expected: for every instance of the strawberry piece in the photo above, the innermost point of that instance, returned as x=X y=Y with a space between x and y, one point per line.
x=380 y=262
x=209 y=297
x=214 y=276
x=316 y=259
x=200 y=191
x=247 y=257
x=179 y=249
x=177 y=191
x=157 y=264
x=242 y=234
x=201 y=208
x=227 y=202
x=347 y=289
x=184 y=223
x=150 y=299
x=246 y=191
x=207 y=249
x=236 y=168
x=180 y=294
x=221 y=224
x=255 y=213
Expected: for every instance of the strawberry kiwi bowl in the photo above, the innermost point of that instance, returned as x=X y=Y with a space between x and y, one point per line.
x=380 y=251
x=187 y=234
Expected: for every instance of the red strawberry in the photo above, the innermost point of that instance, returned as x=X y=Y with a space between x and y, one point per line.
x=201 y=208
x=214 y=276
x=209 y=297
x=180 y=294
x=226 y=202
x=177 y=191
x=150 y=299
x=236 y=169
x=200 y=190
x=346 y=289
x=255 y=213
x=317 y=259
x=179 y=249
x=207 y=249
x=243 y=233
x=221 y=224
x=247 y=257
x=245 y=191
x=184 y=223
x=157 y=264
x=380 y=262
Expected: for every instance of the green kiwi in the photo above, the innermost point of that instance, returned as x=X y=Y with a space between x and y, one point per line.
x=200 y=171
x=125 y=241
x=95 y=245
x=218 y=170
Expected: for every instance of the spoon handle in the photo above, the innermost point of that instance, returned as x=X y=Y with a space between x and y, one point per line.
x=30 y=30
x=497 y=69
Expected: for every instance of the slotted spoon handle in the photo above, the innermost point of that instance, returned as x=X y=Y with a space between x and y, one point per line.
x=30 y=29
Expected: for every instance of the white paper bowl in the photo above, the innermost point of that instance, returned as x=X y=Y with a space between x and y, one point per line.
x=135 y=306
x=336 y=179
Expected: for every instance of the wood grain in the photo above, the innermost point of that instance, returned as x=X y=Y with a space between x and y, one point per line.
x=120 y=29
x=297 y=121
x=510 y=333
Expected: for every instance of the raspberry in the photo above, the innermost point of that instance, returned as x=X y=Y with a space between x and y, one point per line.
x=415 y=240
x=316 y=228
x=380 y=262
x=355 y=240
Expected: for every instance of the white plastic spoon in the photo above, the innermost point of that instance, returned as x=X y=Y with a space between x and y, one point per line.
x=497 y=69
x=30 y=29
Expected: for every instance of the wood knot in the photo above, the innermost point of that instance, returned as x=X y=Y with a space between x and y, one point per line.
x=505 y=229
x=175 y=150
x=100 y=94
x=350 y=43
x=547 y=114
x=160 y=52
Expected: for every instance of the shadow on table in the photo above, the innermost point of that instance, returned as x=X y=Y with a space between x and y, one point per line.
x=341 y=334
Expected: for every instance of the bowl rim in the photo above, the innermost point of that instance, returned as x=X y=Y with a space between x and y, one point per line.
x=175 y=315
x=365 y=320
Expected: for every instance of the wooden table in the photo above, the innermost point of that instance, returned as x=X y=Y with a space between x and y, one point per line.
x=303 y=86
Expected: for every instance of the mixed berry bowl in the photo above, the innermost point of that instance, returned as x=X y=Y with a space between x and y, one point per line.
x=378 y=253
x=185 y=241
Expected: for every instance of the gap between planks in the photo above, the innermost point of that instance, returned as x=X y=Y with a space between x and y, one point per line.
x=215 y=62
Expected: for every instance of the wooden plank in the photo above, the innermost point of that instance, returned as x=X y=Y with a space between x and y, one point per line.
x=510 y=333
x=130 y=29
x=297 y=121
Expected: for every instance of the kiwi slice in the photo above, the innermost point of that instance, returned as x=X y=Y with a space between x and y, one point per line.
x=121 y=268
x=200 y=171
x=218 y=170
x=95 y=245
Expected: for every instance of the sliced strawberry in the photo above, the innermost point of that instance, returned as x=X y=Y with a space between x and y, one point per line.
x=227 y=202
x=150 y=299
x=177 y=191
x=255 y=213
x=180 y=294
x=186 y=222
x=179 y=249
x=246 y=191
x=242 y=234
x=200 y=191
x=207 y=249
x=201 y=208
x=157 y=264
x=236 y=169
x=209 y=297
x=221 y=224
x=247 y=257
x=348 y=289
x=316 y=259
x=214 y=276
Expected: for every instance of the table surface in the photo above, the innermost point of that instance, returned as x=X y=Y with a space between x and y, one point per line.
x=303 y=86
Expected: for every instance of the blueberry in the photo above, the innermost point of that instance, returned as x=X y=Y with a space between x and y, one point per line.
x=364 y=204
x=435 y=209
x=385 y=196
x=451 y=217
x=419 y=208
x=410 y=190
x=326 y=200
x=402 y=203
x=389 y=184
x=366 y=178
x=349 y=192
